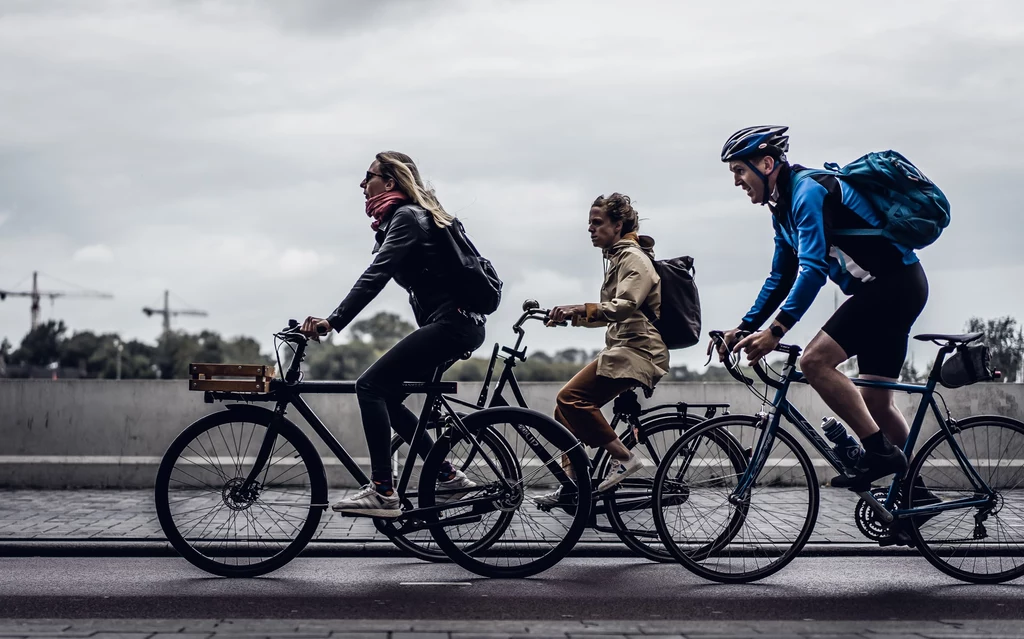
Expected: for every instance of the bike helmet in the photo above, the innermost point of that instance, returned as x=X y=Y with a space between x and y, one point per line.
x=756 y=141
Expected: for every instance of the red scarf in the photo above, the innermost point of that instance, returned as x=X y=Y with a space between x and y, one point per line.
x=381 y=205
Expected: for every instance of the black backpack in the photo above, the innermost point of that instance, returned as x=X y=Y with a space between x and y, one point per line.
x=478 y=284
x=679 y=323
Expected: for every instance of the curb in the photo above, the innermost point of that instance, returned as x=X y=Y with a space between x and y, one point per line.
x=366 y=548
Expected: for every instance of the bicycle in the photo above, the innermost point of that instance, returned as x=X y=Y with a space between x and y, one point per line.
x=959 y=503
x=628 y=507
x=241 y=491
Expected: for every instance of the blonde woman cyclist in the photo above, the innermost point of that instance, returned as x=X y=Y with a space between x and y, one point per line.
x=408 y=222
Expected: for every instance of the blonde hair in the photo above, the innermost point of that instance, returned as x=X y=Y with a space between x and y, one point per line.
x=401 y=168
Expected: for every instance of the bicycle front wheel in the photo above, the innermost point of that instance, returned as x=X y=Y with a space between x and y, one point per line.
x=981 y=543
x=523 y=538
x=628 y=507
x=224 y=515
x=734 y=538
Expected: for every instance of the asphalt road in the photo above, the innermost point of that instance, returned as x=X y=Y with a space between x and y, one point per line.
x=879 y=588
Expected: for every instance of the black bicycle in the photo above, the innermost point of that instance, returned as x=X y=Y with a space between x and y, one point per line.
x=240 y=492
x=649 y=432
x=960 y=503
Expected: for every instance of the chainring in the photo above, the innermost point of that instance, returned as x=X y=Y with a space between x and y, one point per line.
x=868 y=522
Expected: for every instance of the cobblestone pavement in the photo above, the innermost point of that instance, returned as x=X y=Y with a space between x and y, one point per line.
x=129 y=515
x=377 y=629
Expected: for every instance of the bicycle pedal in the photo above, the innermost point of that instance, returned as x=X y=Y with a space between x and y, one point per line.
x=366 y=516
x=899 y=538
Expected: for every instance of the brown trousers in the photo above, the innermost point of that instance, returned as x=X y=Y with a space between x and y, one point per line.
x=579 y=405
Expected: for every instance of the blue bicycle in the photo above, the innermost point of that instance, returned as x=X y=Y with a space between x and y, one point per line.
x=961 y=503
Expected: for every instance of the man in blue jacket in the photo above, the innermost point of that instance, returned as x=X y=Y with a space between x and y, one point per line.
x=885 y=280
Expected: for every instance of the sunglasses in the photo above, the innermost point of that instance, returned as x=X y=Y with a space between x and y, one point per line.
x=370 y=175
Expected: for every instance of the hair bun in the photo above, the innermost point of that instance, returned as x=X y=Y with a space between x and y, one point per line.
x=619 y=208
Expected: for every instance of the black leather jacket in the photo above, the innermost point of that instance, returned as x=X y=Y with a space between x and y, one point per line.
x=418 y=255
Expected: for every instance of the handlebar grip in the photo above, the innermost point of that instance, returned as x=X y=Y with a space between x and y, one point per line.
x=321 y=330
x=548 y=322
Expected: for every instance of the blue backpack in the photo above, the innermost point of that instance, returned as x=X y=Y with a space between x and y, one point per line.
x=914 y=209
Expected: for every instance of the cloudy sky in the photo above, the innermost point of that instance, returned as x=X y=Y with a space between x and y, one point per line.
x=215 y=148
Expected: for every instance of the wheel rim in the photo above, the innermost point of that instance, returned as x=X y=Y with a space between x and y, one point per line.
x=630 y=511
x=727 y=538
x=224 y=518
x=981 y=542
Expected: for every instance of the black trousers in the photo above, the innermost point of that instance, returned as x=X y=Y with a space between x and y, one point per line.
x=414 y=359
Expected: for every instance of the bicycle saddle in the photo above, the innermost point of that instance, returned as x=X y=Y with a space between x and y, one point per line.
x=963 y=338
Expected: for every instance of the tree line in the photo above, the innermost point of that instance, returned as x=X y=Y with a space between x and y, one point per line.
x=52 y=350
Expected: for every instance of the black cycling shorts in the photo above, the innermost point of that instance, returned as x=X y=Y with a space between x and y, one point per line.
x=875 y=323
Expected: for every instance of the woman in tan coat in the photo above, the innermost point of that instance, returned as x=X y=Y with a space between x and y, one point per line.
x=634 y=353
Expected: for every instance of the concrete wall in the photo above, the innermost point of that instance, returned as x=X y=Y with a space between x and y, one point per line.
x=101 y=433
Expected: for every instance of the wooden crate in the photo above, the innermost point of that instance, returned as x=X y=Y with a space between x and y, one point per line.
x=238 y=378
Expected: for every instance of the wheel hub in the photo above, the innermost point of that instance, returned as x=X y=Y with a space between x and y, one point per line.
x=675 y=493
x=510 y=500
x=235 y=495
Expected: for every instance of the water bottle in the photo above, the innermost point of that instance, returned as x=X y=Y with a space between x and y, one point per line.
x=846 y=447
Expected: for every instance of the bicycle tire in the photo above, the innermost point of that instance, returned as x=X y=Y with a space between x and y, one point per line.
x=630 y=514
x=269 y=543
x=421 y=544
x=539 y=445
x=716 y=558
x=964 y=530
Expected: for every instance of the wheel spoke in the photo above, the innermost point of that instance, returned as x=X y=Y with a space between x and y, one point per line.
x=220 y=520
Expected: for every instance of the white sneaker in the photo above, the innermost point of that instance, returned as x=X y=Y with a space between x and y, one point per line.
x=458 y=481
x=549 y=499
x=619 y=471
x=369 y=503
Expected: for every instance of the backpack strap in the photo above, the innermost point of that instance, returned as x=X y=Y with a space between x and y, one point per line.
x=648 y=313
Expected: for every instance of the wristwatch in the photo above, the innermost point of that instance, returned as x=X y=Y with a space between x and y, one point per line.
x=777 y=331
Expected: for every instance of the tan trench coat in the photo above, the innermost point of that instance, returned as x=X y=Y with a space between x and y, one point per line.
x=633 y=347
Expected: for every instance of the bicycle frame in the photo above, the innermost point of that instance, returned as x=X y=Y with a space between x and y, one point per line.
x=626 y=409
x=285 y=393
x=781 y=407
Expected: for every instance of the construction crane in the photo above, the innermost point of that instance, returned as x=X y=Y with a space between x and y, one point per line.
x=167 y=312
x=36 y=295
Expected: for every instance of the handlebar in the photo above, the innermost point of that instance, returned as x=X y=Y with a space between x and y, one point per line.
x=731 y=363
x=532 y=310
x=732 y=366
x=291 y=333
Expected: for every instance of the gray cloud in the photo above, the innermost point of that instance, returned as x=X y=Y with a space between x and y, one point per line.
x=216 y=148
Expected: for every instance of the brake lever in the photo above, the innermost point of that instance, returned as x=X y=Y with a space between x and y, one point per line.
x=733 y=367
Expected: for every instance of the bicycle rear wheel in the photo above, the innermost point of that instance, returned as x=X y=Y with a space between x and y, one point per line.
x=978 y=544
x=629 y=507
x=525 y=539
x=220 y=522
x=726 y=539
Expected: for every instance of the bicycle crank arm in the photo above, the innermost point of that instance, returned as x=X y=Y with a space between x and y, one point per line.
x=876 y=506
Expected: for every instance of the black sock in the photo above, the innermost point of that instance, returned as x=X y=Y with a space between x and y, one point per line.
x=384 y=487
x=876 y=443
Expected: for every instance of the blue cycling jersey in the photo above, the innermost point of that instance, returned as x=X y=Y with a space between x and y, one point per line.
x=811 y=206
